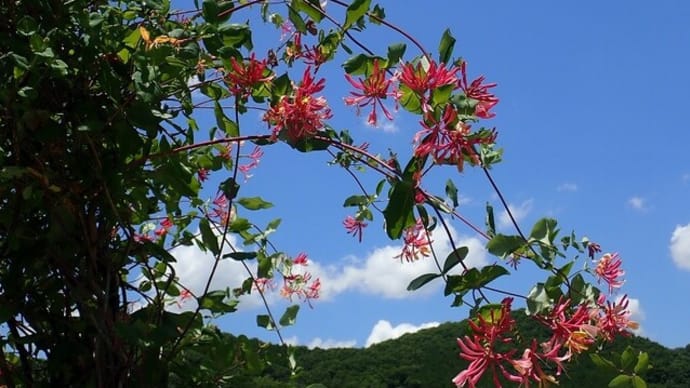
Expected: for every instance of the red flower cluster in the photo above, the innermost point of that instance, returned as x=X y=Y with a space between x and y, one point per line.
x=254 y=158
x=166 y=225
x=609 y=270
x=354 y=227
x=479 y=91
x=479 y=348
x=300 y=115
x=373 y=89
x=574 y=329
x=449 y=140
x=299 y=284
x=245 y=76
x=220 y=210
x=416 y=242
x=425 y=81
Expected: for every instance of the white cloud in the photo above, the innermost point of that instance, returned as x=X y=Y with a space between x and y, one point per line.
x=637 y=203
x=317 y=342
x=519 y=213
x=193 y=267
x=383 y=330
x=680 y=246
x=380 y=273
x=330 y=343
x=568 y=186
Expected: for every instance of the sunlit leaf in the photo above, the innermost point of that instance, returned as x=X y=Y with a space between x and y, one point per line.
x=445 y=47
x=289 y=317
x=254 y=203
x=355 y=11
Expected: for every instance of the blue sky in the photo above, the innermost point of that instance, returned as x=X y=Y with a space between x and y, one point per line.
x=593 y=119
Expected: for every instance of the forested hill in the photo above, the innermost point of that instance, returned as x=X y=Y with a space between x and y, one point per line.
x=429 y=358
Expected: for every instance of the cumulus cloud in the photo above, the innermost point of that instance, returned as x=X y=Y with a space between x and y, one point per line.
x=680 y=246
x=317 y=342
x=567 y=186
x=330 y=343
x=519 y=213
x=383 y=330
x=381 y=274
x=193 y=267
x=637 y=203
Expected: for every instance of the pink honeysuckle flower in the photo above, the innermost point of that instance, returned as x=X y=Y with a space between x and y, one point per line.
x=372 y=90
x=255 y=158
x=220 y=209
x=614 y=319
x=263 y=284
x=243 y=77
x=420 y=81
x=609 y=270
x=202 y=173
x=300 y=115
x=449 y=140
x=415 y=242
x=592 y=249
x=166 y=225
x=354 y=227
x=479 y=91
x=301 y=259
x=479 y=348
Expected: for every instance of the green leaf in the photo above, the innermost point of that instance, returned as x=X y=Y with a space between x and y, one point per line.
x=289 y=316
x=356 y=200
x=491 y=272
x=538 y=300
x=263 y=320
x=208 y=237
x=228 y=126
x=310 y=7
x=399 y=213
x=254 y=203
x=638 y=382
x=490 y=224
x=620 y=381
x=452 y=192
x=602 y=362
x=236 y=35
x=445 y=47
x=642 y=365
x=395 y=53
x=239 y=256
x=209 y=10
x=627 y=359
x=502 y=245
x=214 y=301
x=454 y=258
x=356 y=64
x=544 y=230
x=229 y=187
x=355 y=11
x=297 y=20
x=421 y=280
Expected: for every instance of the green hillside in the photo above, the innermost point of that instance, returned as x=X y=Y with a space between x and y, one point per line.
x=429 y=358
